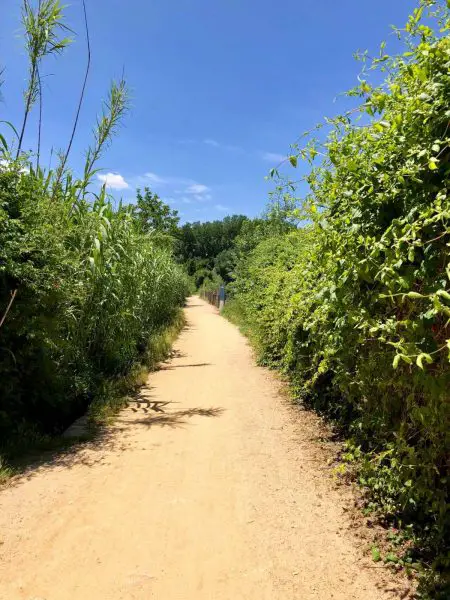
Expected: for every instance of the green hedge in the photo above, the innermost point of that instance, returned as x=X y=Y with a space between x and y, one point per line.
x=356 y=305
x=91 y=293
x=85 y=291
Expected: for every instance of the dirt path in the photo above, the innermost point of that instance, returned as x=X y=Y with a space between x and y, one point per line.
x=212 y=496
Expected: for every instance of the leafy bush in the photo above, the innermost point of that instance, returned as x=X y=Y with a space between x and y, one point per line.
x=206 y=250
x=356 y=306
x=84 y=288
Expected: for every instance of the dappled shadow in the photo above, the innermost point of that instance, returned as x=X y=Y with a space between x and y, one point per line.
x=96 y=446
x=142 y=402
x=90 y=449
x=175 y=419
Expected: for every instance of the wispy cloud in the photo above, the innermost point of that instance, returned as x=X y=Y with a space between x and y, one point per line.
x=273 y=157
x=227 y=147
x=190 y=190
x=155 y=179
x=197 y=189
x=114 y=181
x=213 y=143
x=221 y=207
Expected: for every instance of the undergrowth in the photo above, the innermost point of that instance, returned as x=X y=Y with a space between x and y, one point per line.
x=113 y=396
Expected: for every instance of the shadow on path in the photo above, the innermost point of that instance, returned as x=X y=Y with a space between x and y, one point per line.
x=177 y=418
x=173 y=367
x=96 y=446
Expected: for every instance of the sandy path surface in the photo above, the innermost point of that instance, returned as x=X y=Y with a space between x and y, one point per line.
x=213 y=495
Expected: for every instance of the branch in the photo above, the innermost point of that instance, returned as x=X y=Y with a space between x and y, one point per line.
x=13 y=295
x=40 y=120
x=27 y=108
x=40 y=105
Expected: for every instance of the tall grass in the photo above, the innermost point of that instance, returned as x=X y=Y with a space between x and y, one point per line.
x=84 y=295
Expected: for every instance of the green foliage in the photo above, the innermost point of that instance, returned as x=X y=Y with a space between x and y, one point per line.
x=376 y=556
x=91 y=291
x=154 y=215
x=207 y=250
x=355 y=306
x=85 y=289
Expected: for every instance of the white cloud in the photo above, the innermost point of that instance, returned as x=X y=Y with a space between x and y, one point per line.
x=229 y=147
x=273 y=157
x=209 y=142
x=221 y=207
x=156 y=179
x=115 y=181
x=9 y=164
x=189 y=190
x=197 y=189
x=201 y=198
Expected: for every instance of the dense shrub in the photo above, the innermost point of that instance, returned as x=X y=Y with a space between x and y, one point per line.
x=206 y=250
x=356 y=306
x=91 y=292
x=84 y=287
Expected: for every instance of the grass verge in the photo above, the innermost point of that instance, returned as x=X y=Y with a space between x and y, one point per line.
x=112 y=395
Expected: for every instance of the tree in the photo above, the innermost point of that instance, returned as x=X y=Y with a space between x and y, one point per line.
x=153 y=214
x=206 y=249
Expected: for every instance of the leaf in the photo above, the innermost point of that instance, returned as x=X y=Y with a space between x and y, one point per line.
x=293 y=160
x=12 y=127
x=396 y=360
x=418 y=14
x=376 y=556
x=391 y=557
x=4 y=143
x=421 y=358
x=443 y=294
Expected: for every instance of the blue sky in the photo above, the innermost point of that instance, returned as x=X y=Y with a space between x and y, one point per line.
x=219 y=89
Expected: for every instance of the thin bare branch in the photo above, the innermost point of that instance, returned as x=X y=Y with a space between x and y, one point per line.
x=8 y=308
x=40 y=106
x=40 y=119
